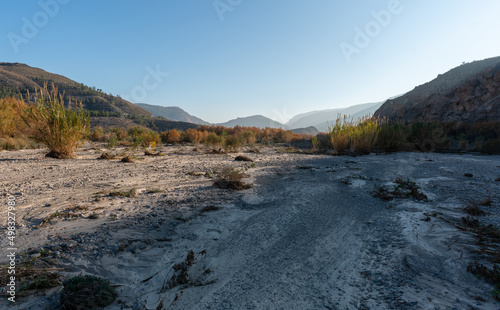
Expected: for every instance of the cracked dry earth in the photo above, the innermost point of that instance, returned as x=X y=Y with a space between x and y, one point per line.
x=308 y=235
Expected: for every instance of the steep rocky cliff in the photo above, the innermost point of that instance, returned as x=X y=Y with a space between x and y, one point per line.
x=468 y=94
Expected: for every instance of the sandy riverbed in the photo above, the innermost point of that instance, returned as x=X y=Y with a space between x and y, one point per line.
x=309 y=235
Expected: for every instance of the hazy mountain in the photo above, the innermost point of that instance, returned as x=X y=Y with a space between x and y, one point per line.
x=253 y=121
x=16 y=78
x=321 y=119
x=308 y=131
x=469 y=93
x=172 y=113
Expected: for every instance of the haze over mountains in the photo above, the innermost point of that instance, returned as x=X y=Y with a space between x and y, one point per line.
x=468 y=93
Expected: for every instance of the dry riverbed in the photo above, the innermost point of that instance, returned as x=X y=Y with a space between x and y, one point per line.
x=310 y=234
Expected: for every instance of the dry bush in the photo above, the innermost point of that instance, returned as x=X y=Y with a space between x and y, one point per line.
x=172 y=136
x=61 y=130
x=11 y=123
x=192 y=136
x=96 y=134
x=230 y=178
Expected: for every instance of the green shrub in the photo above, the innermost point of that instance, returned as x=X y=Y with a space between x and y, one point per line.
x=364 y=135
x=340 y=135
x=232 y=143
x=248 y=137
x=87 y=292
x=392 y=137
x=213 y=139
x=61 y=130
x=428 y=137
x=140 y=136
x=492 y=146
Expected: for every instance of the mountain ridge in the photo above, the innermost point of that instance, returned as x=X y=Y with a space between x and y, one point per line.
x=19 y=78
x=173 y=113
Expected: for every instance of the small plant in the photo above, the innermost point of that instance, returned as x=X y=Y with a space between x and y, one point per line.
x=61 y=130
x=93 y=216
x=230 y=178
x=403 y=189
x=107 y=156
x=112 y=142
x=490 y=275
x=87 y=292
x=315 y=143
x=130 y=194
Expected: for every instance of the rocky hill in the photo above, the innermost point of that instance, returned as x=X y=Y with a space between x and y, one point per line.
x=469 y=93
x=17 y=78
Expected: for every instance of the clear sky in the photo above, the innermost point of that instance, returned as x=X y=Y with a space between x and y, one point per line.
x=229 y=58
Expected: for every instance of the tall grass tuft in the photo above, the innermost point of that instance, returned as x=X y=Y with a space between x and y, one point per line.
x=61 y=130
x=364 y=135
x=340 y=134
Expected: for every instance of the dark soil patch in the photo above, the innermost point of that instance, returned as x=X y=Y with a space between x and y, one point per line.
x=57 y=155
x=127 y=159
x=243 y=158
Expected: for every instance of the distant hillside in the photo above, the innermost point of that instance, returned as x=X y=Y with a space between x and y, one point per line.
x=321 y=119
x=469 y=93
x=172 y=113
x=16 y=78
x=253 y=121
x=307 y=131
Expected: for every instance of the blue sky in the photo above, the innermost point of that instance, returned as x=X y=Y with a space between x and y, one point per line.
x=229 y=58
